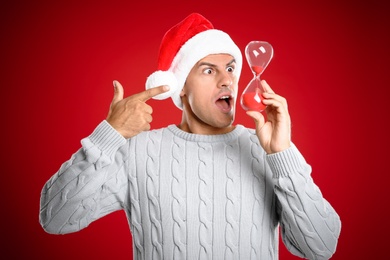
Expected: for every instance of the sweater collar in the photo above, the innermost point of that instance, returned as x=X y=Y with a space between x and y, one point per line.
x=206 y=138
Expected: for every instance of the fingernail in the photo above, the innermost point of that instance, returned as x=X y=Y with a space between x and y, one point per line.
x=114 y=83
x=166 y=88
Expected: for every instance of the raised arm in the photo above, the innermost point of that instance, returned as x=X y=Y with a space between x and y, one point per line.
x=310 y=227
x=94 y=181
x=88 y=186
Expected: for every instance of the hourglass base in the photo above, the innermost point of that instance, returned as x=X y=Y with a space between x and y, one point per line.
x=252 y=102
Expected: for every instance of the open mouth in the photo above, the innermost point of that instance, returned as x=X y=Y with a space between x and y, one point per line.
x=224 y=103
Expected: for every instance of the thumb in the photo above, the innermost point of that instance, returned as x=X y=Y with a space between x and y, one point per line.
x=118 y=92
x=257 y=117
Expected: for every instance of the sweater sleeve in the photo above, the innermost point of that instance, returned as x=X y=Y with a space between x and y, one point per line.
x=310 y=227
x=89 y=185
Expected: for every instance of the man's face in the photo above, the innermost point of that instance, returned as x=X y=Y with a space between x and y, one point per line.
x=210 y=92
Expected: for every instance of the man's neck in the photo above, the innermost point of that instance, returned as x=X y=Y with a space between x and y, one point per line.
x=204 y=129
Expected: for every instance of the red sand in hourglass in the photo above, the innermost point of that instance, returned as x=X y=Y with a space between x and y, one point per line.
x=252 y=101
x=257 y=69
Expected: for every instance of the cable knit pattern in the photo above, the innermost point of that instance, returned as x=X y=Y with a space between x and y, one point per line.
x=77 y=195
x=206 y=200
x=233 y=204
x=179 y=206
x=301 y=195
x=192 y=196
x=152 y=188
x=135 y=209
x=258 y=204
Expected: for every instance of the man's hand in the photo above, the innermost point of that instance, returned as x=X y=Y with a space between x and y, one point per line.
x=132 y=115
x=275 y=134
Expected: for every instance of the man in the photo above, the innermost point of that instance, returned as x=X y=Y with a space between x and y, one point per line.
x=204 y=188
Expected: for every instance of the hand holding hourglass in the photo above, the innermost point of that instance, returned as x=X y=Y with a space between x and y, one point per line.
x=258 y=55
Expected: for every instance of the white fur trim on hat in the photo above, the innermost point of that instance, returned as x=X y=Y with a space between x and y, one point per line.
x=162 y=78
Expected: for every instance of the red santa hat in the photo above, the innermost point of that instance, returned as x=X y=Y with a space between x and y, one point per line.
x=182 y=47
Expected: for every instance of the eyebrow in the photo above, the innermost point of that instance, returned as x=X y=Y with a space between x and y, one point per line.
x=213 y=65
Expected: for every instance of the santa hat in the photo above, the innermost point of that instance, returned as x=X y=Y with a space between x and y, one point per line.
x=182 y=47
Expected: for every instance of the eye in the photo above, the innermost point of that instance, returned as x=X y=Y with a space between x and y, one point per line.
x=208 y=71
x=230 y=69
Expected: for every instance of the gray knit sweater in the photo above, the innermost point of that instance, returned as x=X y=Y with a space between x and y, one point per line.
x=191 y=196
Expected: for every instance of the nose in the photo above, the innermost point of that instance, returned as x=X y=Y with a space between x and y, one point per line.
x=226 y=80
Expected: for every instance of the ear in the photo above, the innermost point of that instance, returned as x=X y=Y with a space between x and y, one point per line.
x=182 y=93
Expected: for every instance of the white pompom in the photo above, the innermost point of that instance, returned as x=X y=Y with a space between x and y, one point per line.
x=162 y=78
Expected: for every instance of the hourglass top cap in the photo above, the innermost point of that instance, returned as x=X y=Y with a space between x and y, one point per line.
x=182 y=47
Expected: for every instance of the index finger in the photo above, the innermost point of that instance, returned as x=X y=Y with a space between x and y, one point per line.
x=152 y=92
x=266 y=87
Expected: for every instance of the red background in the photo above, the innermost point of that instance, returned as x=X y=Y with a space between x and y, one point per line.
x=58 y=60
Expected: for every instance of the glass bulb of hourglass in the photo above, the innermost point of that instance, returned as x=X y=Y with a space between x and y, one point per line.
x=258 y=54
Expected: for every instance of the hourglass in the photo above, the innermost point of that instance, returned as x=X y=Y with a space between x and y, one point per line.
x=258 y=54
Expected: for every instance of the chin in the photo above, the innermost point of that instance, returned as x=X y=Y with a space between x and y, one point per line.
x=225 y=124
